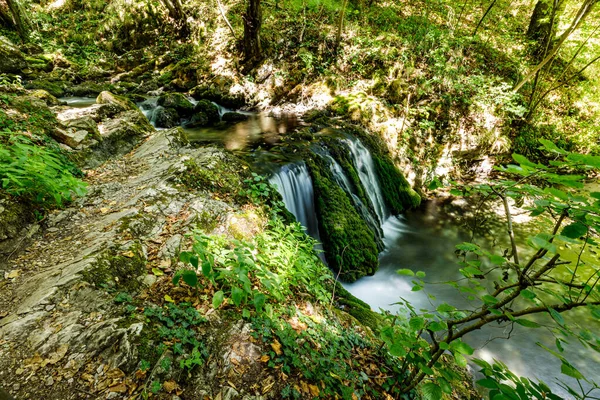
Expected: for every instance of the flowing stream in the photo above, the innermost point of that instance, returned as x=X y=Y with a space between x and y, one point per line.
x=417 y=240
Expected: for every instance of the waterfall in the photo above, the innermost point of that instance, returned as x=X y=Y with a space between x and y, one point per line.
x=148 y=108
x=342 y=180
x=294 y=184
x=363 y=162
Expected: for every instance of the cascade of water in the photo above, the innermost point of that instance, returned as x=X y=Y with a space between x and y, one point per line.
x=148 y=108
x=294 y=184
x=342 y=180
x=363 y=162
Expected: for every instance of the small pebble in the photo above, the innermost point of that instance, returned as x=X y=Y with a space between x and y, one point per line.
x=49 y=381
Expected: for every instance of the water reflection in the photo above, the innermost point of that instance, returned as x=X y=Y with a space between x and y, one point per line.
x=258 y=130
x=420 y=242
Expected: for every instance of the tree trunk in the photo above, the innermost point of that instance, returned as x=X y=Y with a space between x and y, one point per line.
x=252 y=22
x=584 y=10
x=175 y=9
x=338 y=36
x=543 y=25
x=20 y=20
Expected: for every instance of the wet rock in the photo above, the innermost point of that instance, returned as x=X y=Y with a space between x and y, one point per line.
x=165 y=117
x=205 y=114
x=219 y=93
x=178 y=102
x=234 y=117
x=88 y=89
x=123 y=103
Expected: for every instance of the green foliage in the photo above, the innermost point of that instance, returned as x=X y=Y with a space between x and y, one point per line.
x=176 y=328
x=35 y=172
x=349 y=244
x=554 y=190
x=325 y=354
x=257 y=274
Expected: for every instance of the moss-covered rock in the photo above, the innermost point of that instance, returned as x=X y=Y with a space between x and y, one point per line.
x=166 y=117
x=122 y=102
x=234 y=117
x=117 y=267
x=350 y=246
x=205 y=114
x=357 y=308
x=396 y=190
x=178 y=102
x=218 y=95
x=56 y=89
x=12 y=61
x=46 y=97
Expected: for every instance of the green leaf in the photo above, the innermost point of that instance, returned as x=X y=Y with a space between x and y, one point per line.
x=496 y=260
x=543 y=243
x=194 y=261
x=570 y=370
x=461 y=347
x=527 y=323
x=556 y=316
x=405 y=271
x=157 y=272
x=574 y=230
x=466 y=246
x=528 y=294
x=416 y=323
x=421 y=274
x=190 y=277
x=206 y=269
x=550 y=146
x=218 y=299
x=488 y=383
x=237 y=295
x=397 y=350
x=460 y=360
x=487 y=299
x=431 y=391
x=259 y=302
x=524 y=161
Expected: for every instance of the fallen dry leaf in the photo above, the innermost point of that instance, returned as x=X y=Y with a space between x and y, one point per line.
x=119 y=388
x=276 y=346
x=170 y=386
x=13 y=274
x=265 y=358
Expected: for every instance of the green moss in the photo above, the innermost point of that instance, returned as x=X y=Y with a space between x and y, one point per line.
x=225 y=177
x=54 y=88
x=117 y=267
x=357 y=308
x=396 y=190
x=349 y=244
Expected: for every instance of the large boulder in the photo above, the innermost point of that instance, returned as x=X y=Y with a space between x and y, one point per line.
x=205 y=114
x=234 y=117
x=165 y=117
x=218 y=95
x=178 y=102
x=56 y=89
x=46 y=97
x=12 y=61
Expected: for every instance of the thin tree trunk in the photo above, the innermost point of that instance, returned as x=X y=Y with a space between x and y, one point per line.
x=338 y=36
x=583 y=12
x=483 y=17
x=21 y=22
x=252 y=23
x=225 y=18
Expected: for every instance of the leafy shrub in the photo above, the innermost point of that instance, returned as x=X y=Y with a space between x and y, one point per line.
x=36 y=173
